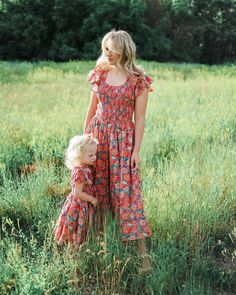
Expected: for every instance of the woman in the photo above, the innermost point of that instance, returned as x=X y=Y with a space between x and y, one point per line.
x=119 y=90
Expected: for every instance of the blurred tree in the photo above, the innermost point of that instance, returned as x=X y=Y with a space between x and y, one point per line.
x=68 y=17
x=124 y=14
x=185 y=32
x=26 y=29
x=217 y=22
x=177 y=30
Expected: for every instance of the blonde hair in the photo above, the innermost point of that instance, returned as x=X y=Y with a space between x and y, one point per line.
x=76 y=146
x=122 y=44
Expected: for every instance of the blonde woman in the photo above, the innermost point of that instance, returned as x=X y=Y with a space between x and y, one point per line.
x=119 y=90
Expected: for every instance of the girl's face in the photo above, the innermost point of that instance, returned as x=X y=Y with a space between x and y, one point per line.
x=112 y=56
x=89 y=155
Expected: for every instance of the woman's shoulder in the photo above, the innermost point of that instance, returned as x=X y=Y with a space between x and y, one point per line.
x=97 y=71
x=139 y=73
x=96 y=75
x=141 y=81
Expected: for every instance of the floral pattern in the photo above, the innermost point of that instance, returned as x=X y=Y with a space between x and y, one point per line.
x=117 y=187
x=77 y=217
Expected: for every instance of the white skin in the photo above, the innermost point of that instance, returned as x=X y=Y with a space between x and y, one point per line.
x=87 y=157
x=116 y=77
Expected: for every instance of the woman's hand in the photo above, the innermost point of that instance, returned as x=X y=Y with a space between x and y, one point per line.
x=135 y=161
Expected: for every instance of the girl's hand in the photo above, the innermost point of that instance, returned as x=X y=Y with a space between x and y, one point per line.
x=135 y=161
x=94 y=202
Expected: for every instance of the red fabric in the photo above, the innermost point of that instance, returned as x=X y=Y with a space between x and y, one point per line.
x=77 y=217
x=116 y=185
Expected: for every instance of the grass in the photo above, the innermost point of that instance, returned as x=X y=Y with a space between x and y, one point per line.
x=188 y=170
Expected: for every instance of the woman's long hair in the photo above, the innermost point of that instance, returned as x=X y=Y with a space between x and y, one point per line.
x=122 y=44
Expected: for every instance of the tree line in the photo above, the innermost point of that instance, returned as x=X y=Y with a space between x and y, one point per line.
x=201 y=31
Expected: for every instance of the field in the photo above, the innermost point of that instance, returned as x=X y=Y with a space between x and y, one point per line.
x=188 y=170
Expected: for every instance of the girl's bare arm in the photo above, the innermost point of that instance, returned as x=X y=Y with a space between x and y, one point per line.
x=78 y=192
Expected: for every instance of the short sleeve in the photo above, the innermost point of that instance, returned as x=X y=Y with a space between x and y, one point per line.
x=94 y=78
x=142 y=84
x=78 y=175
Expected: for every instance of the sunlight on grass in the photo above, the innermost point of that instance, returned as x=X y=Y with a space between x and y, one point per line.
x=188 y=169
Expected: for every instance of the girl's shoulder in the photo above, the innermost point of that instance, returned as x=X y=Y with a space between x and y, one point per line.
x=79 y=174
x=82 y=174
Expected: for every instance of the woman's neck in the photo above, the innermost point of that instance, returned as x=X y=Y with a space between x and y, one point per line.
x=114 y=69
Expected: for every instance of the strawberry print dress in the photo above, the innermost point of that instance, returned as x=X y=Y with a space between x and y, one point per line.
x=117 y=186
x=77 y=216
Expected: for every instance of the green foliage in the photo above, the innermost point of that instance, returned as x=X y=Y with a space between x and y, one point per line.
x=61 y=30
x=25 y=29
x=216 y=20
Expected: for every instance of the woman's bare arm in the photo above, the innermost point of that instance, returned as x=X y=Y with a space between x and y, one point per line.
x=91 y=110
x=140 y=110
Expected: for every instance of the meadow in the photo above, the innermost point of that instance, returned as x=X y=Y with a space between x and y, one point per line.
x=188 y=166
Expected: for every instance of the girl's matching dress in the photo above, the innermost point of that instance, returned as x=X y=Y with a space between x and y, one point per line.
x=76 y=219
x=117 y=187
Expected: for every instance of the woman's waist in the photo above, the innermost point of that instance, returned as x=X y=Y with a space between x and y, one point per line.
x=117 y=121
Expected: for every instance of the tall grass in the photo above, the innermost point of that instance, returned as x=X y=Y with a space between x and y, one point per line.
x=188 y=171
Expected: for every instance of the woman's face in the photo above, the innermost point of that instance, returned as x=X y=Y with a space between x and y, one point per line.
x=112 y=56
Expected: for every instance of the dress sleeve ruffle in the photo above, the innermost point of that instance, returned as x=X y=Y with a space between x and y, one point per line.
x=79 y=175
x=142 y=84
x=94 y=78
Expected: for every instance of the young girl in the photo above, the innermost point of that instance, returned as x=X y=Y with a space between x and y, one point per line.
x=77 y=215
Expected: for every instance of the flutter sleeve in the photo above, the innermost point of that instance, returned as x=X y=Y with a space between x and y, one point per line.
x=78 y=175
x=142 y=84
x=94 y=78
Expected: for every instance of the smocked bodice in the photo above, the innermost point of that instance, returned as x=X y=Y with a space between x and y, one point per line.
x=116 y=103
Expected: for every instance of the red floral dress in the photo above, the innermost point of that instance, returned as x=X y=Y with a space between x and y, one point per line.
x=77 y=216
x=117 y=187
